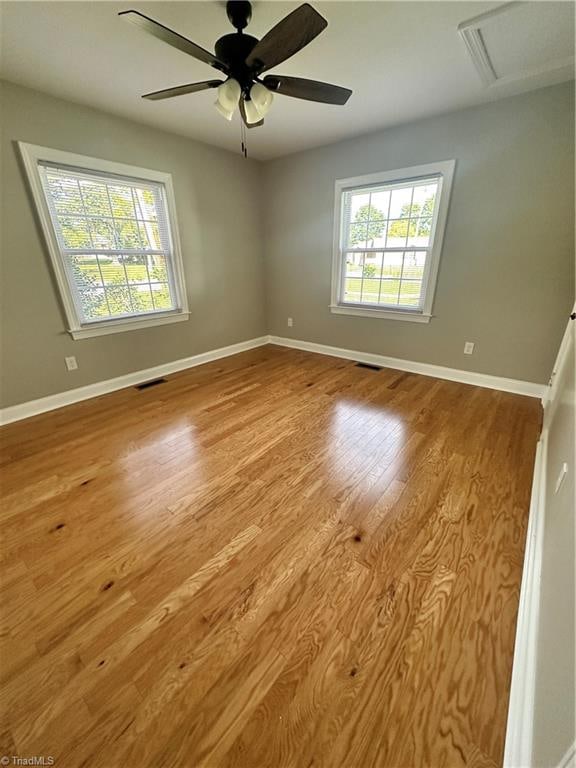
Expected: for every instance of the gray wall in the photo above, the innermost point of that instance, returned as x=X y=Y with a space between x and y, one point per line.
x=218 y=204
x=506 y=272
x=555 y=706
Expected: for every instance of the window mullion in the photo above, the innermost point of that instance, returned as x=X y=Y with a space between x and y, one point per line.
x=387 y=223
x=92 y=242
x=112 y=215
x=85 y=212
x=136 y=213
x=391 y=249
x=128 y=285
x=368 y=224
x=118 y=243
x=407 y=239
x=149 y=280
x=401 y=276
x=110 y=252
x=146 y=257
x=362 y=279
x=410 y=216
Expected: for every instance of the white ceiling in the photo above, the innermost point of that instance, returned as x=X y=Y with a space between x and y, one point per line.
x=403 y=60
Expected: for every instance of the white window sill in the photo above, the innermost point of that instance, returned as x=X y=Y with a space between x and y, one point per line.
x=383 y=314
x=107 y=327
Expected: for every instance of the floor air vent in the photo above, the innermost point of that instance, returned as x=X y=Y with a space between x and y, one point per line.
x=152 y=383
x=370 y=366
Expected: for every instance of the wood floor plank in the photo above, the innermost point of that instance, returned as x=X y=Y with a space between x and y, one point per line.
x=275 y=559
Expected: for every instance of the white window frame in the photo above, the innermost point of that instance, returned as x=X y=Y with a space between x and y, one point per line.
x=32 y=155
x=445 y=170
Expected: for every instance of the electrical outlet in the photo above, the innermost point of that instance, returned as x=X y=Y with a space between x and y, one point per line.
x=290 y=322
x=71 y=363
x=468 y=347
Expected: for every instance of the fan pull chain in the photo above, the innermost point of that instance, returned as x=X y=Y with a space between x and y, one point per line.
x=243 y=139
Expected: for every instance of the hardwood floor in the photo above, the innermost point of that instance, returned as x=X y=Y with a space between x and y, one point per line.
x=277 y=559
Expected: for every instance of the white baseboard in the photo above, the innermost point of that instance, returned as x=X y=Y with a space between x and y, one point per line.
x=427 y=369
x=519 y=728
x=50 y=403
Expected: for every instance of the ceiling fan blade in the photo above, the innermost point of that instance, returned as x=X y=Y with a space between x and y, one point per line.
x=181 y=90
x=172 y=38
x=311 y=90
x=285 y=39
x=244 y=119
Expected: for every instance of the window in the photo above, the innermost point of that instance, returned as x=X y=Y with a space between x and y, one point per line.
x=111 y=232
x=388 y=237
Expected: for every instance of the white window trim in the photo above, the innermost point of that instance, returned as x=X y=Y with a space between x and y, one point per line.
x=32 y=154
x=445 y=169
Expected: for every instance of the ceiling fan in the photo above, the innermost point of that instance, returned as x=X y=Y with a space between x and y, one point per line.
x=243 y=59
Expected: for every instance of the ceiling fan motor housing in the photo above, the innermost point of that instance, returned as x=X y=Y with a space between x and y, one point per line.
x=233 y=50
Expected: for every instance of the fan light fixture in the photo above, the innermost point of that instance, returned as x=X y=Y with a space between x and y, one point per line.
x=227 y=98
x=255 y=107
x=251 y=112
x=262 y=98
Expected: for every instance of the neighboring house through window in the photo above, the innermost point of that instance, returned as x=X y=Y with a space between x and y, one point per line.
x=112 y=236
x=388 y=238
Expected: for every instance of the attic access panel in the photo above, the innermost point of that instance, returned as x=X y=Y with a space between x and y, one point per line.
x=522 y=41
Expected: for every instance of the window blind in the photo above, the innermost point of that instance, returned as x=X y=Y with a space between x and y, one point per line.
x=113 y=233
